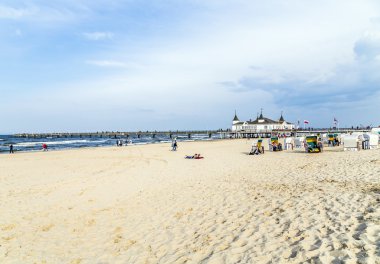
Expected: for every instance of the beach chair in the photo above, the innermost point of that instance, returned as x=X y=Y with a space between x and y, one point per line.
x=337 y=139
x=342 y=138
x=373 y=141
x=289 y=143
x=257 y=147
x=325 y=138
x=351 y=142
x=375 y=130
x=273 y=146
x=331 y=140
x=299 y=142
x=259 y=143
x=311 y=145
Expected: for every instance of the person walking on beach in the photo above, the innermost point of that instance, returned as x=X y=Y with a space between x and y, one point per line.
x=11 y=149
x=174 y=145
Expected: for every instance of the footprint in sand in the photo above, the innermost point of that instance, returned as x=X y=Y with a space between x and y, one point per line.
x=8 y=227
x=90 y=222
x=46 y=228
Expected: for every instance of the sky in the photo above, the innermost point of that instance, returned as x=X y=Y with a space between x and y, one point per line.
x=92 y=65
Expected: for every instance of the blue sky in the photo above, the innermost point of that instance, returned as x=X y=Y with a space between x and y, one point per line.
x=143 y=65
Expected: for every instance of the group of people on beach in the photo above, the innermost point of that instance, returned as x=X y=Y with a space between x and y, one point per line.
x=175 y=147
x=120 y=143
x=12 y=151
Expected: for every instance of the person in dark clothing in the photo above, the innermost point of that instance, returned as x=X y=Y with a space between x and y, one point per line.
x=279 y=147
x=11 y=148
x=174 y=145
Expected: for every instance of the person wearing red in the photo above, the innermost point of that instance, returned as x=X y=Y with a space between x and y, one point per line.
x=44 y=147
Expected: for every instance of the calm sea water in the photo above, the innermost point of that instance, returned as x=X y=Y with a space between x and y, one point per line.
x=35 y=144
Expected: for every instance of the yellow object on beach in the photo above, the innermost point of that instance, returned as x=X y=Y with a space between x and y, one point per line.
x=274 y=140
x=274 y=144
x=312 y=144
x=259 y=143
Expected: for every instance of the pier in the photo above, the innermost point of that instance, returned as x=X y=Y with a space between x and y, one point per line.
x=139 y=134
x=189 y=134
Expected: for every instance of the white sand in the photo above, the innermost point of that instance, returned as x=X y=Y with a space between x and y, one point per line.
x=146 y=204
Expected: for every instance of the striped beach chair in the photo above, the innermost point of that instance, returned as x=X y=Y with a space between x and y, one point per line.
x=311 y=145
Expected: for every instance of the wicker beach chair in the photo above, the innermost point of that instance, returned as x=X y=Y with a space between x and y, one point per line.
x=274 y=144
x=311 y=145
x=257 y=147
x=352 y=142
x=373 y=141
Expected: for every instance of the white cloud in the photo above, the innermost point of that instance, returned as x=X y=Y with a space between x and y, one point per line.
x=98 y=35
x=107 y=63
x=7 y=12
x=40 y=12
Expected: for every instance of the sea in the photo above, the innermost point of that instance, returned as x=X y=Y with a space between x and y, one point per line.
x=53 y=143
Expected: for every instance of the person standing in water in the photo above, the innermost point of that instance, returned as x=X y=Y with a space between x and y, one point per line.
x=45 y=147
x=11 y=149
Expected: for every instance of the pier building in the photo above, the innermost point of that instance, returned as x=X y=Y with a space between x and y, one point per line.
x=261 y=124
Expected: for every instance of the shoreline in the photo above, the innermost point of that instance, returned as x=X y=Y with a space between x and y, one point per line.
x=107 y=146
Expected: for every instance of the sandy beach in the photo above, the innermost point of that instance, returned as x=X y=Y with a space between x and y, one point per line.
x=147 y=204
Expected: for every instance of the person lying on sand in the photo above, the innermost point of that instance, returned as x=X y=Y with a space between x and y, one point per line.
x=196 y=156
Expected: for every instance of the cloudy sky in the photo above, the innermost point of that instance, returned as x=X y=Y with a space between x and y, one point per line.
x=88 y=65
